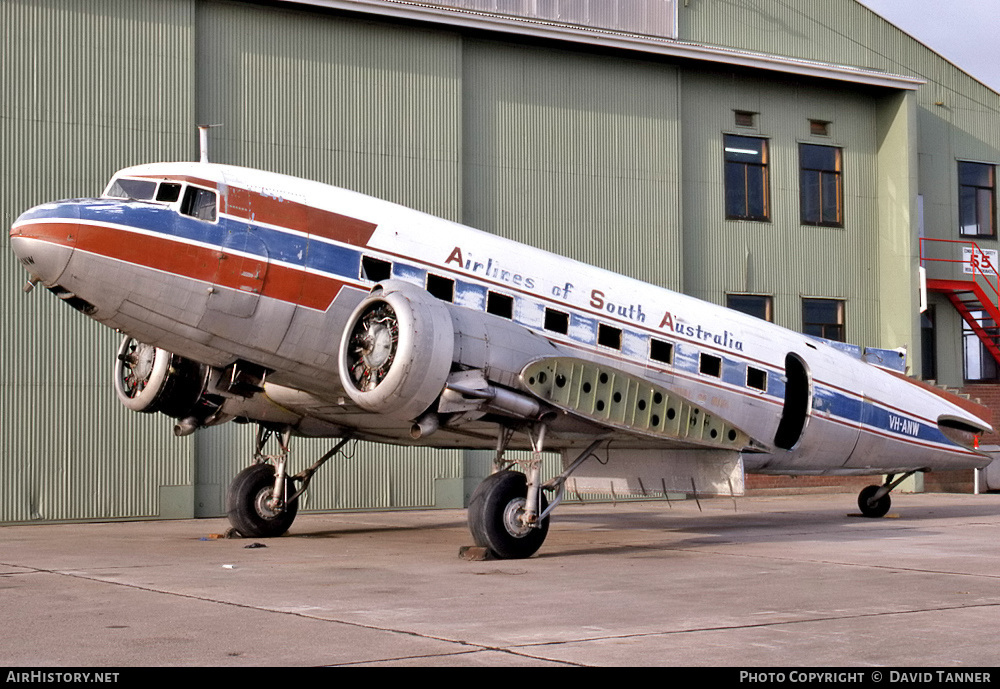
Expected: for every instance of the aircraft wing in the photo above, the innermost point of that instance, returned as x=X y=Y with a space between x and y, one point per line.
x=630 y=405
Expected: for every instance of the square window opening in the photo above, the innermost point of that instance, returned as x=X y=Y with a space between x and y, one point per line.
x=609 y=336
x=710 y=365
x=500 y=304
x=375 y=269
x=556 y=321
x=441 y=287
x=661 y=351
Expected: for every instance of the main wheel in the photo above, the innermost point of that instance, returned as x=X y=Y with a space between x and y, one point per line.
x=247 y=508
x=494 y=512
x=879 y=508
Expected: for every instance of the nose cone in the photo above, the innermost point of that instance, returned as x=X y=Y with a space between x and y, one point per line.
x=43 y=239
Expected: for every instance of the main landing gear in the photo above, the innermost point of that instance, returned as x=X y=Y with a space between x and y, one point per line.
x=508 y=513
x=262 y=500
x=874 y=501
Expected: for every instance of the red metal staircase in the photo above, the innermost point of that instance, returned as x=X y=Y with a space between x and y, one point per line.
x=976 y=297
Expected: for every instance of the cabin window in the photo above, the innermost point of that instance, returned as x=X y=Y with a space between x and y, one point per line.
x=756 y=379
x=661 y=351
x=556 y=321
x=375 y=269
x=609 y=336
x=441 y=287
x=976 y=199
x=199 y=203
x=138 y=189
x=710 y=365
x=758 y=305
x=823 y=318
x=746 y=173
x=821 y=187
x=500 y=304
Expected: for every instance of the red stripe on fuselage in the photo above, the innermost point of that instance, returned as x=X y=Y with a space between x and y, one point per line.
x=257 y=207
x=191 y=261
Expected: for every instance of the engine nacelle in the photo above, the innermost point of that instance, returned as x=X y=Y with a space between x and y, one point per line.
x=397 y=350
x=149 y=379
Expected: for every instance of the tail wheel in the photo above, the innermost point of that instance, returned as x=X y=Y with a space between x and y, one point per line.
x=873 y=508
x=494 y=517
x=248 y=508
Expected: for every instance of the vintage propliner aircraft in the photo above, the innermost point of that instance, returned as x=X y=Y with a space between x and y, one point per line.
x=315 y=311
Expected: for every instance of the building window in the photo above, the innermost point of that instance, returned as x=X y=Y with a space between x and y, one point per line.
x=979 y=363
x=746 y=178
x=928 y=345
x=744 y=118
x=819 y=128
x=758 y=305
x=823 y=318
x=976 y=200
x=821 y=185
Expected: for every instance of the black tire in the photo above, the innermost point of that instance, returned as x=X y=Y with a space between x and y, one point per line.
x=493 y=510
x=875 y=509
x=246 y=503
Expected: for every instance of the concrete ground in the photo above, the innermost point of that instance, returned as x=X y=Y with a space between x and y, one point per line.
x=764 y=581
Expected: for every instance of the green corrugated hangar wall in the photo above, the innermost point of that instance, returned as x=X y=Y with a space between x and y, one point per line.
x=546 y=145
x=577 y=151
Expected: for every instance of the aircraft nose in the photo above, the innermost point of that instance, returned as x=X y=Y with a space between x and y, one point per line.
x=43 y=238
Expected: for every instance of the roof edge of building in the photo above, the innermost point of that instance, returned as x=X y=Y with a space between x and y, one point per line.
x=414 y=10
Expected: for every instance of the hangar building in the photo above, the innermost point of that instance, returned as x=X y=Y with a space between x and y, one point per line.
x=797 y=160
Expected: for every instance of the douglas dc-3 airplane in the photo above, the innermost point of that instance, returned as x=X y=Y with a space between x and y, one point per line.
x=315 y=311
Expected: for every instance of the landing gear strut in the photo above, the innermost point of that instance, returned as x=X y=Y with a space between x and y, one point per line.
x=262 y=501
x=874 y=501
x=508 y=512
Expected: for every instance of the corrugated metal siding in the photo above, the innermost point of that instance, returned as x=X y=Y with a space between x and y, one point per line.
x=82 y=95
x=956 y=118
x=782 y=257
x=370 y=107
x=652 y=17
x=575 y=154
x=364 y=476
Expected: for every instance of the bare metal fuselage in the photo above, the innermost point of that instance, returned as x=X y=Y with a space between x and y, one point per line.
x=272 y=281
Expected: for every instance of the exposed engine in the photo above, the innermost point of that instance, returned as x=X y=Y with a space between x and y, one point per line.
x=149 y=379
x=408 y=355
x=397 y=351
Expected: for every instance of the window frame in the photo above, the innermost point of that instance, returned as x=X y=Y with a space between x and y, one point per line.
x=977 y=206
x=767 y=301
x=813 y=187
x=736 y=170
x=825 y=326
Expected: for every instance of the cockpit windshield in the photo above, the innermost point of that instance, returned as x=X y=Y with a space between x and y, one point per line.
x=138 y=189
x=196 y=202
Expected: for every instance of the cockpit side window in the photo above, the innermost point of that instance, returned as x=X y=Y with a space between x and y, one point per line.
x=168 y=192
x=139 y=189
x=199 y=203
